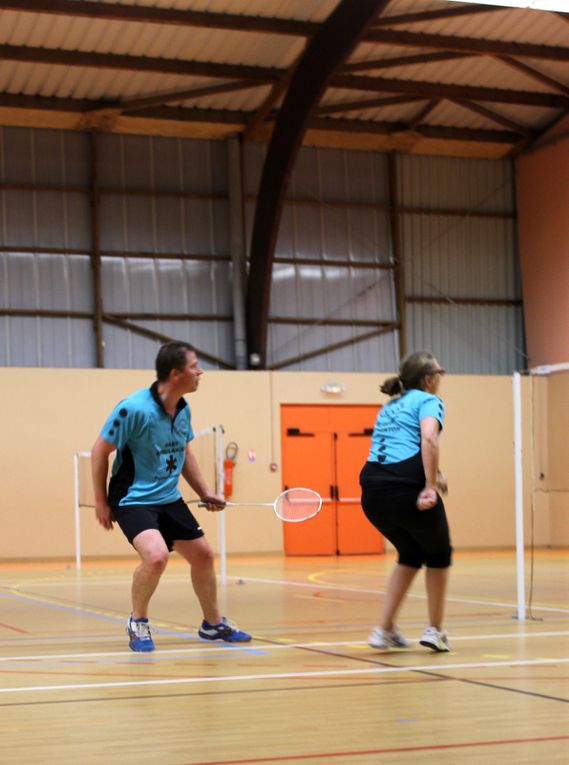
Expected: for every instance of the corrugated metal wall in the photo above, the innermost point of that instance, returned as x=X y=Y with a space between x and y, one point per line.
x=157 y=196
x=164 y=202
x=37 y=224
x=174 y=201
x=462 y=262
x=337 y=216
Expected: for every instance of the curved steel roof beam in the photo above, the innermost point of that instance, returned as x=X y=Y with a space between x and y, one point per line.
x=329 y=48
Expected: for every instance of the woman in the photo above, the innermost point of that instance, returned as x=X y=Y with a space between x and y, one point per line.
x=399 y=495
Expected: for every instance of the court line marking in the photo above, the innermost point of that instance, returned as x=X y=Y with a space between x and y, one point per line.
x=383 y=750
x=162 y=627
x=431 y=668
x=340 y=588
x=15 y=592
x=14 y=629
x=254 y=649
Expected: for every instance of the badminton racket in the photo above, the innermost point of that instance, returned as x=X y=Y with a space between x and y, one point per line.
x=292 y=505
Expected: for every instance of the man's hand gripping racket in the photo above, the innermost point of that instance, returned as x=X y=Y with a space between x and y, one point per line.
x=292 y=505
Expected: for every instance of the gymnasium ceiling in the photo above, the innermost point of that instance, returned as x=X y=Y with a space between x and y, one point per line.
x=425 y=77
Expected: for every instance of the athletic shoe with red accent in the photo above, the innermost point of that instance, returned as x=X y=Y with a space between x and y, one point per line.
x=225 y=630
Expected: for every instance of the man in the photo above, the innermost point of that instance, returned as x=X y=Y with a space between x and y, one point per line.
x=151 y=431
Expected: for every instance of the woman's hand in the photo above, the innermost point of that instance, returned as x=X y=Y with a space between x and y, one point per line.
x=442 y=484
x=426 y=499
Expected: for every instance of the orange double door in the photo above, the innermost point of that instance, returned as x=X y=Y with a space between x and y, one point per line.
x=324 y=448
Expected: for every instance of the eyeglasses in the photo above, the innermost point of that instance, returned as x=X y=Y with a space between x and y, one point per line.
x=440 y=372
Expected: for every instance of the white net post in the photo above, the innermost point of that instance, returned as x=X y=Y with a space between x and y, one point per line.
x=221 y=530
x=545 y=370
x=77 y=509
x=519 y=497
x=215 y=476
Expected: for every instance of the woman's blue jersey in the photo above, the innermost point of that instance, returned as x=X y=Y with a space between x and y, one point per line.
x=151 y=449
x=397 y=432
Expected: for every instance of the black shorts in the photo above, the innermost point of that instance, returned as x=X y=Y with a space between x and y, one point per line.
x=419 y=536
x=174 y=521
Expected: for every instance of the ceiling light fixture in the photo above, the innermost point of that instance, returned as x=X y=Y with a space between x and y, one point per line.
x=332 y=388
x=536 y=5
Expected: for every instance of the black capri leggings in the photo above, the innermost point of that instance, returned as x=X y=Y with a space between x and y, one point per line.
x=419 y=536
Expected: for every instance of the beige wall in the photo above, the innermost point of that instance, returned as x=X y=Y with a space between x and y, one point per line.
x=550 y=397
x=49 y=414
x=543 y=223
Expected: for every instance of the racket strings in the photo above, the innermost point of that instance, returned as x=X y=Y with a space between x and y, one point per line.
x=295 y=505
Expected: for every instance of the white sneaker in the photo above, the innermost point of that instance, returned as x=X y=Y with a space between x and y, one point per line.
x=435 y=639
x=380 y=638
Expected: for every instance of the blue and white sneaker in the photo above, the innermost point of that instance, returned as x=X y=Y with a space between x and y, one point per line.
x=139 y=633
x=225 y=630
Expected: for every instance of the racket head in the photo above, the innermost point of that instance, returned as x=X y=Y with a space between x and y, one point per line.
x=297 y=505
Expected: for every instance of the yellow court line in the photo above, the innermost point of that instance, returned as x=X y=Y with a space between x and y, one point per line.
x=82 y=609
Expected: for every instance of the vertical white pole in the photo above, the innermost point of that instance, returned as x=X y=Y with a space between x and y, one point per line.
x=77 y=511
x=519 y=496
x=221 y=516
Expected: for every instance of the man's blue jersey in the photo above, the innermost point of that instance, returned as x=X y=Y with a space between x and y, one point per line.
x=397 y=432
x=151 y=449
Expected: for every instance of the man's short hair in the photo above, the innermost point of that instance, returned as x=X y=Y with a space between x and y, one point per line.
x=171 y=356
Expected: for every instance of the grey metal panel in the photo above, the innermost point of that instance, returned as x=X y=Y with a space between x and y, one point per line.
x=473 y=184
x=162 y=164
x=326 y=293
x=331 y=293
x=124 y=350
x=447 y=256
x=166 y=286
x=453 y=257
x=326 y=174
x=16 y=155
x=19 y=218
x=46 y=282
x=372 y=355
x=328 y=228
x=54 y=219
x=460 y=257
x=57 y=282
x=45 y=219
x=31 y=342
x=144 y=221
x=153 y=224
x=469 y=339
x=330 y=232
x=77 y=218
x=43 y=156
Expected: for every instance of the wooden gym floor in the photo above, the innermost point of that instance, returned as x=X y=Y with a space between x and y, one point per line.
x=307 y=690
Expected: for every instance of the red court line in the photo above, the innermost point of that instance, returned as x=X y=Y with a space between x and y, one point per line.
x=16 y=629
x=362 y=752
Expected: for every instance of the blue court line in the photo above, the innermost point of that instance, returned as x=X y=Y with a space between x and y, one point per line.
x=103 y=617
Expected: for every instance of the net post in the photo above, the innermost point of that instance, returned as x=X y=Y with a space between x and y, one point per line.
x=519 y=499
x=77 y=512
x=221 y=530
